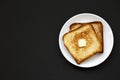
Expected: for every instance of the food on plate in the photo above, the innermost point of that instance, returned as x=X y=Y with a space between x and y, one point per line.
x=84 y=40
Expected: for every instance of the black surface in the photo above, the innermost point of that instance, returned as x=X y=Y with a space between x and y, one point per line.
x=29 y=31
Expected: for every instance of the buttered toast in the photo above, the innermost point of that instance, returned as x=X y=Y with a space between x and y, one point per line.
x=98 y=27
x=82 y=42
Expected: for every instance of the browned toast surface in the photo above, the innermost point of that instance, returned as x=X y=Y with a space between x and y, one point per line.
x=87 y=33
x=98 y=27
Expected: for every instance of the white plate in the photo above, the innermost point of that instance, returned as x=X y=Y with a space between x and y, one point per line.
x=107 y=37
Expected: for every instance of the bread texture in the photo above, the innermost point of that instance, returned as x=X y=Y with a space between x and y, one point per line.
x=98 y=27
x=86 y=32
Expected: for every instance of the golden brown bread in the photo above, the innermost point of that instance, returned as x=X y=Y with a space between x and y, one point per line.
x=75 y=26
x=71 y=39
x=98 y=27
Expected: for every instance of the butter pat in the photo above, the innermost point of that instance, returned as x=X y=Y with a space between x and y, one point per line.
x=82 y=42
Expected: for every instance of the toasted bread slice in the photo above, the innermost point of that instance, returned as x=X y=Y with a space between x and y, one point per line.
x=82 y=52
x=98 y=27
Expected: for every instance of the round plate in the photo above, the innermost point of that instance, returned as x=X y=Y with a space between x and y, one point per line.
x=107 y=38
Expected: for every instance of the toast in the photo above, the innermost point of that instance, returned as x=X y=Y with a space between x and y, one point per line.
x=74 y=39
x=98 y=27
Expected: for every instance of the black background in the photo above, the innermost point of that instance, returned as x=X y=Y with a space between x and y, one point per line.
x=29 y=31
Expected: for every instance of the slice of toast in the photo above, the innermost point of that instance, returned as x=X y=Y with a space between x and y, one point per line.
x=91 y=44
x=98 y=27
